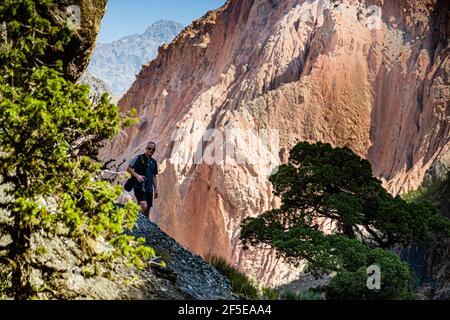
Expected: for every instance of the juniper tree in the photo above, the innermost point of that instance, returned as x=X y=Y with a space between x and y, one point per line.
x=338 y=218
x=49 y=135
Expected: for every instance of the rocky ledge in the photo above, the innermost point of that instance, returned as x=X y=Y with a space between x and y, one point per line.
x=190 y=273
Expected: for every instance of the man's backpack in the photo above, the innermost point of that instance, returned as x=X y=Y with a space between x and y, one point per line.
x=129 y=185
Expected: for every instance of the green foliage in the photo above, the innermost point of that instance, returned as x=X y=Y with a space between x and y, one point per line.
x=270 y=294
x=49 y=136
x=332 y=188
x=242 y=286
x=307 y=295
x=87 y=272
x=350 y=280
x=437 y=192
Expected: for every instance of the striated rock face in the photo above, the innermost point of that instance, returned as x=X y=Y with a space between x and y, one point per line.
x=370 y=75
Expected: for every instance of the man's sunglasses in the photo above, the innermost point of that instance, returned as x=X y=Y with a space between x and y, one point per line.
x=151 y=149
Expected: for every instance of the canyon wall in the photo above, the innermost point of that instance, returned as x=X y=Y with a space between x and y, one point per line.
x=370 y=75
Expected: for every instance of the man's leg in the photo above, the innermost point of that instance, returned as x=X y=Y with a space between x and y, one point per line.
x=142 y=201
x=149 y=198
x=144 y=207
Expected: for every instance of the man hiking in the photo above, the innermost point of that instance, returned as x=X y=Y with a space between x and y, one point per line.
x=145 y=170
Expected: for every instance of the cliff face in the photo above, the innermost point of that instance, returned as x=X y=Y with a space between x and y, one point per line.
x=371 y=75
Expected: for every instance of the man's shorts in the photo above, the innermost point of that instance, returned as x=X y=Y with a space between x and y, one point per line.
x=144 y=196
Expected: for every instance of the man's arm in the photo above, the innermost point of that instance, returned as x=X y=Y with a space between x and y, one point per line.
x=138 y=177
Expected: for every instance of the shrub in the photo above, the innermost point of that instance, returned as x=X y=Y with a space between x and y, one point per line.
x=242 y=286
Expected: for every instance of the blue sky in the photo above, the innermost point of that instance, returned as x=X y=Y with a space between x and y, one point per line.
x=125 y=17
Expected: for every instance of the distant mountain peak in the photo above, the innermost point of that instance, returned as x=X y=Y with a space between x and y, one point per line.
x=160 y=27
x=118 y=62
x=163 y=23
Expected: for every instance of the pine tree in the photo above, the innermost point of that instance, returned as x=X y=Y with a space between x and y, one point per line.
x=339 y=219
